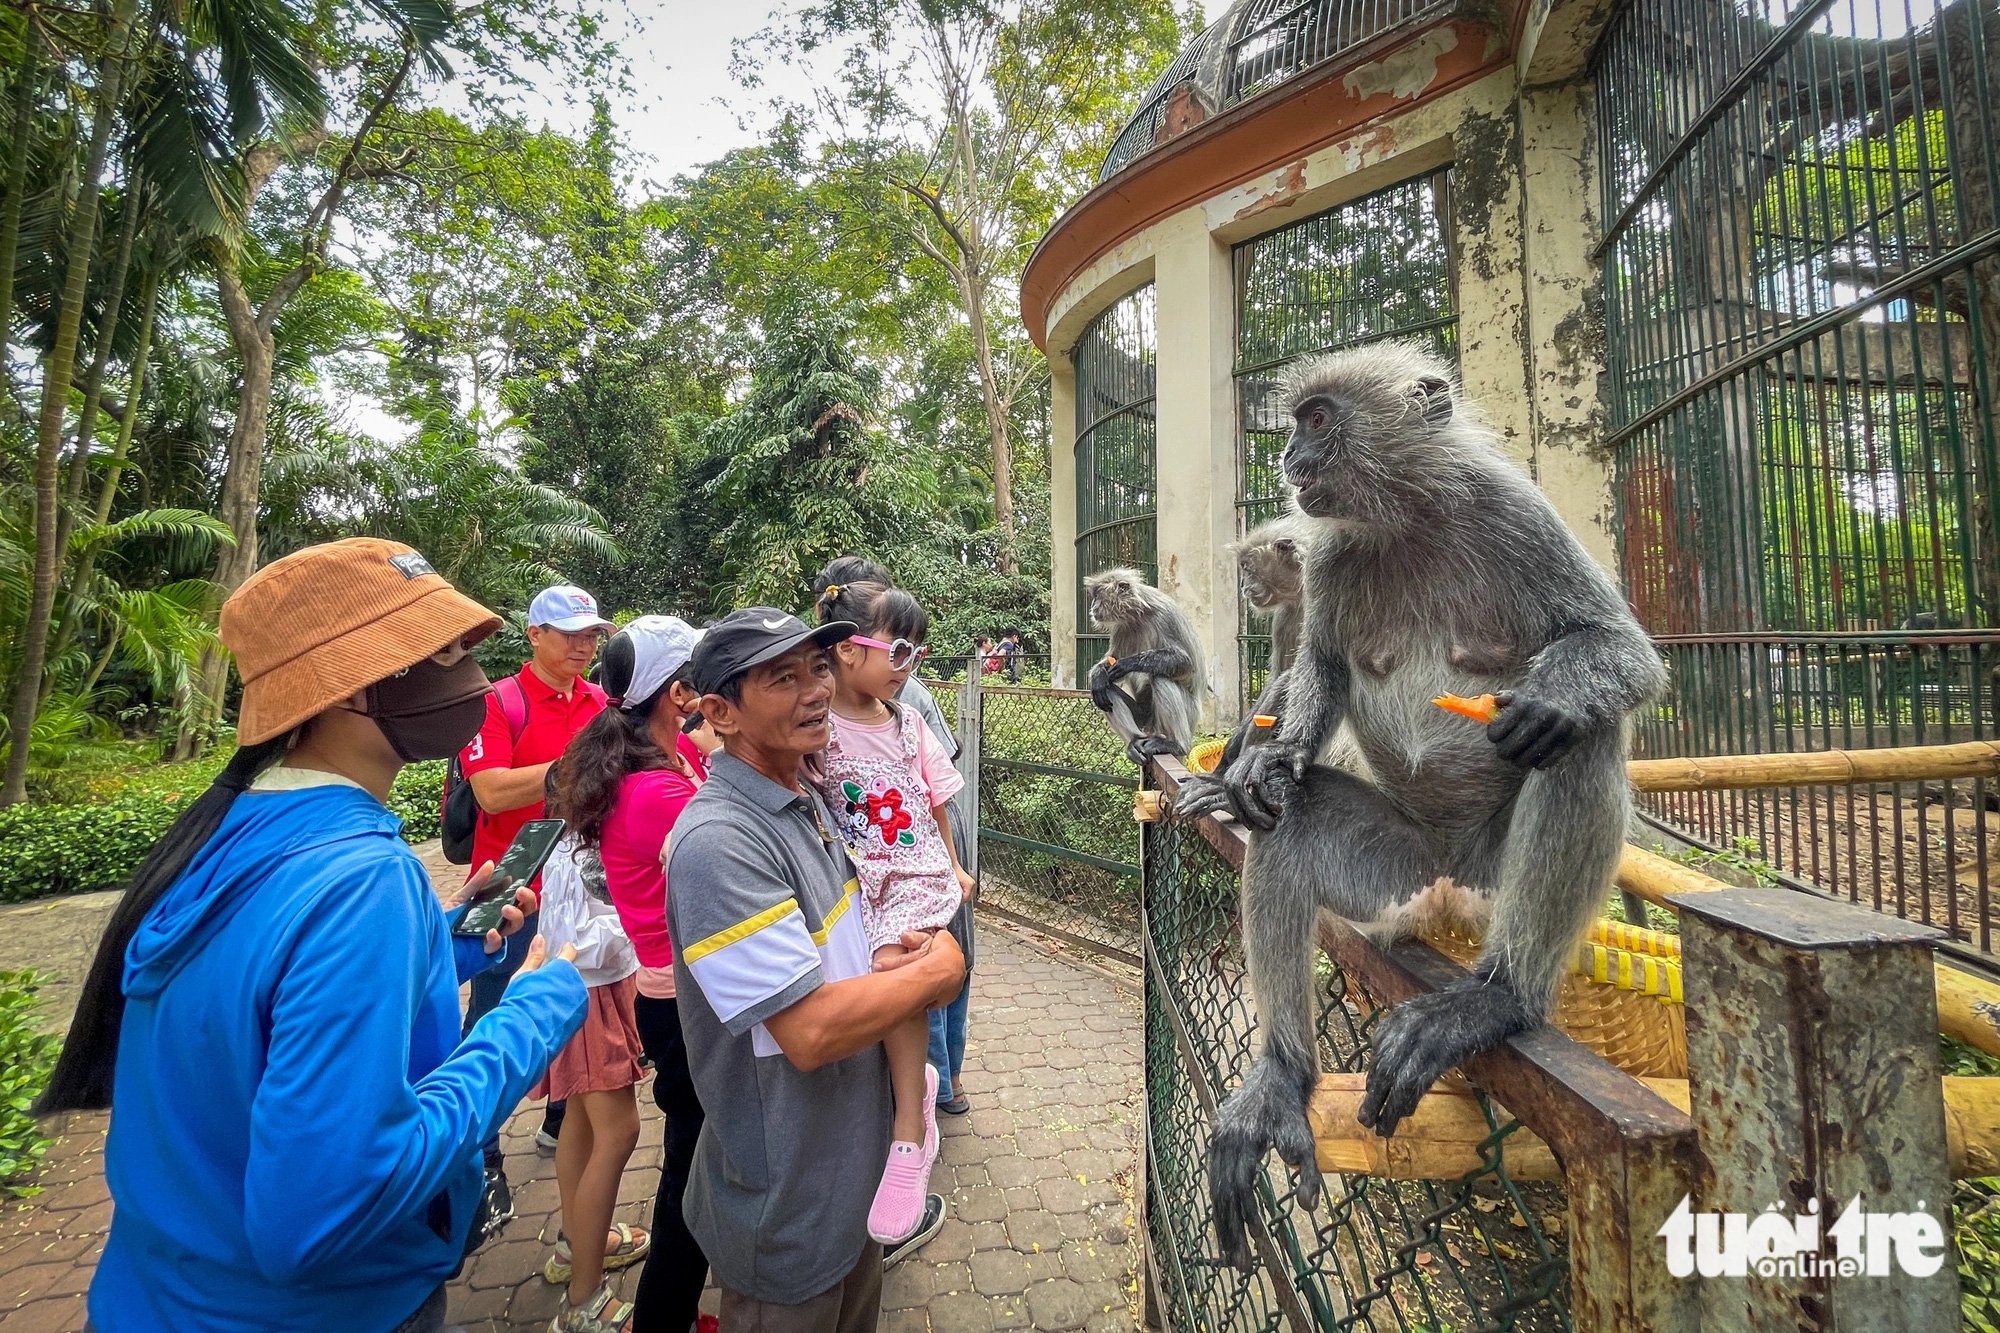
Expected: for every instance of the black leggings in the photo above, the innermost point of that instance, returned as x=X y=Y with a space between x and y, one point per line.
x=669 y=1295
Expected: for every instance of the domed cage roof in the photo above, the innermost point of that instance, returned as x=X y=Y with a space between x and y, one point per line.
x=1253 y=48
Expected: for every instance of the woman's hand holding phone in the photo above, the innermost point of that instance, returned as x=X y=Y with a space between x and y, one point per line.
x=511 y=916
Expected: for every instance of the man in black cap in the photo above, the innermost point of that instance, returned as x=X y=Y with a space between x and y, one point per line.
x=780 y=1007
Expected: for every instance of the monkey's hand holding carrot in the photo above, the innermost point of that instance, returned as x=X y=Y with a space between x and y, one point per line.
x=1531 y=733
x=1101 y=688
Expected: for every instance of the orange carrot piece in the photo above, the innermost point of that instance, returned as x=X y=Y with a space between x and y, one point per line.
x=1480 y=708
x=1264 y=720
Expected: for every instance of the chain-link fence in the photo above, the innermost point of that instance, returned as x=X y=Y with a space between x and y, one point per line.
x=1058 y=850
x=1478 y=1251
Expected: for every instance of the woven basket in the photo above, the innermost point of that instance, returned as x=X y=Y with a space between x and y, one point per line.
x=1204 y=757
x=1621 y=998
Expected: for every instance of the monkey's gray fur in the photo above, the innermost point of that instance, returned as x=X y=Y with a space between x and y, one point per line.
x=1273 y=581
x=1267 y=560
x=1435 y=566
x=1149 y=693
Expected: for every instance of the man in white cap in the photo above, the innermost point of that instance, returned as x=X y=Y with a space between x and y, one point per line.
x=531 y=717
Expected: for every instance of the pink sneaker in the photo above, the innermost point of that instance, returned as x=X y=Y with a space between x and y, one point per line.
x=899 y=1200
x=930 y=1114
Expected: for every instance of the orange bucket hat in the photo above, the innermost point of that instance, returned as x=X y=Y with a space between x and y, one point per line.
x=314 y=627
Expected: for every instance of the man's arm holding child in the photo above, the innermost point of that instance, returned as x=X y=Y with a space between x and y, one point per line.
x=749 y=951
x=843 y=1018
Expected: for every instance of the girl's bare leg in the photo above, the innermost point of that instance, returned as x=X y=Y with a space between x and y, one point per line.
x=613 y=1118
x=907 y=1047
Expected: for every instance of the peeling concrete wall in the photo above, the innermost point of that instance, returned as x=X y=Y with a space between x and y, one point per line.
x=1565 y=343
x=1486 y=206
x=1557 y=37
x=1523 y=215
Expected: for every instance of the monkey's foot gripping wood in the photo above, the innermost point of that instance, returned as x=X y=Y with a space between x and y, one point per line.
x=1621 y=997
x=1449 y=1136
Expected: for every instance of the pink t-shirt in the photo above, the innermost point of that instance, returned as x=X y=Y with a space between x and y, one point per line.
x=884 y=740
x=648 y=805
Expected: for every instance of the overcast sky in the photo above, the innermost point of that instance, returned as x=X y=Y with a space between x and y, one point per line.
x=675 y=119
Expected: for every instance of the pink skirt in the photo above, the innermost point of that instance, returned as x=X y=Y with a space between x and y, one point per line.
x=603 y=1056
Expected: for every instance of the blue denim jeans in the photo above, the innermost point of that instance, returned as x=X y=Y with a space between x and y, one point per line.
x=488 y=987
x=947 y=1052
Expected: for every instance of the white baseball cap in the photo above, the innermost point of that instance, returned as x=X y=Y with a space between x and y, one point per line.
x=567 y=609
x=661 y=645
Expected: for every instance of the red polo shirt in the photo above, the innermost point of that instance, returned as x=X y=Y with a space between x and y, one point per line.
x=553 y=721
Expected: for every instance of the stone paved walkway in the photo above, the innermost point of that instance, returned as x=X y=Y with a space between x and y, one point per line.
x=1040 y=1177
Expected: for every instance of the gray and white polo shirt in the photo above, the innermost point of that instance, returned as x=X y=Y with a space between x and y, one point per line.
x=764 y=908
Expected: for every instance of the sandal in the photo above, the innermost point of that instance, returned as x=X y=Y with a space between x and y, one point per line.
x=592 y=1316
x=633 y=1245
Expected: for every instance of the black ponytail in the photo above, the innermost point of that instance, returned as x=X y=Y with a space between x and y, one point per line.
x=82 y=1077
x=844 y=570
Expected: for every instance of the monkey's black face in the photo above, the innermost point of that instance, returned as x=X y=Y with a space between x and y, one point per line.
x=1319 y=430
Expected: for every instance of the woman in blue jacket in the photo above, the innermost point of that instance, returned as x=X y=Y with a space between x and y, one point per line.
x=295 y=1143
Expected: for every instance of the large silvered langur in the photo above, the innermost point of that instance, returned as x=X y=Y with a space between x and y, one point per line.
x=1152 y=677
x=1434 y=566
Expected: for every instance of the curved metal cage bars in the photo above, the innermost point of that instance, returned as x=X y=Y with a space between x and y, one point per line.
x=1374 y=268
x=1116 y=476
x=1802 y=290
x=1255 y=47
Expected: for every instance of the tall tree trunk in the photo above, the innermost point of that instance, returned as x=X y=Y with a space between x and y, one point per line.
x=242 y=480
x=27 y=82
x=56 y=381
x=973 y=290
x=115 y=280
x=107 y=493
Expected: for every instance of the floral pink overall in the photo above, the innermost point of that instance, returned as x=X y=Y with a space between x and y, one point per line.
x=884 y=811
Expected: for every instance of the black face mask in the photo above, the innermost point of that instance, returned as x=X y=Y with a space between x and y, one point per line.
x=430 y=711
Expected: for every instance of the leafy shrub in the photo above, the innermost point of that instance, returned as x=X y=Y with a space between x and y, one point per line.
x=417 y=799
x=52 y=849
x=26 y=1056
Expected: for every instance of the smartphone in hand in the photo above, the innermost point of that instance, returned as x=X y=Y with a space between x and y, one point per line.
x=520 y=863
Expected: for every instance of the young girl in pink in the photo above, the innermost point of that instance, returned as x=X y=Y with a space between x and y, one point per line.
x=889 y=783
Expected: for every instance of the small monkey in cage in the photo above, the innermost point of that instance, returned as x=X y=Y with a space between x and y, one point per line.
x=1149 y=683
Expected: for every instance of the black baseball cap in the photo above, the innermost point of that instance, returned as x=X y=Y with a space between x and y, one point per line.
x=754 y=635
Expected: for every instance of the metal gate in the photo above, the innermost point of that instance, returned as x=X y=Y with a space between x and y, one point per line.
x=1058 y=850
x=1116 y=437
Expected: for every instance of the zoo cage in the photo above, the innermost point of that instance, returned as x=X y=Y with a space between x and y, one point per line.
x=1115 y=443
x=1801 y=268
x=1374 y=268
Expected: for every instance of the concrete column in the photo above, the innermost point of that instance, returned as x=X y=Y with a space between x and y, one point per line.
x=1062 y=518
x=1196 y=449
x=1486 y=240
x=1565 y=318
